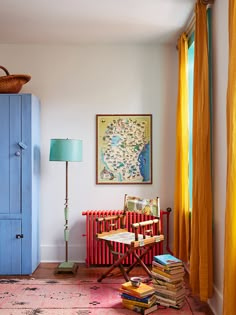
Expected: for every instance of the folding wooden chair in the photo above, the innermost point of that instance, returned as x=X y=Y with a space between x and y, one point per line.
x=138 y=243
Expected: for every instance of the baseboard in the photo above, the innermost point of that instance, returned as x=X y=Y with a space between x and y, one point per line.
x=52 y=253
x=216 y=302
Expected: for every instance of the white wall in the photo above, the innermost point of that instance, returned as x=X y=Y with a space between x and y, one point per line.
x=220 y=77
x=74 y=84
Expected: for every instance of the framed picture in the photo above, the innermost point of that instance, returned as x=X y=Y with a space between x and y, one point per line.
x=124 y=149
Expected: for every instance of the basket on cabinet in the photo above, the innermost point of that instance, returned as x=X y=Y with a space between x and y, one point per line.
x=12 y=83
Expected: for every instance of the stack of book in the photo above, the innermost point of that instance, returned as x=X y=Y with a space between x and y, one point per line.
x=140 y=299
x=168 y=280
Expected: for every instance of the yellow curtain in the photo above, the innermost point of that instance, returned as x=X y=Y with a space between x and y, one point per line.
x=201 y=267
x=230 y=216
x=181 y=202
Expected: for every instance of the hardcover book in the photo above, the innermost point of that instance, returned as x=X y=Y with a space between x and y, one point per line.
x=135 y=294
x=141 y=304
x=148 y=300
x=174 y=276
x=168 y=301
x=167 y=269
x=141 y=291
x=168 y=260
x=174 y=294
x=177 y=306
x=175 y=286
x=140 y=310
x=169 y=296
x=156 y=275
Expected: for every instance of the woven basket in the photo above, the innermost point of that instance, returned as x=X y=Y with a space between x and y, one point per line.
x=12 y=83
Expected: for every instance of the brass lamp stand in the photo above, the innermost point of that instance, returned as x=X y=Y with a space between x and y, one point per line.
x=66 y=150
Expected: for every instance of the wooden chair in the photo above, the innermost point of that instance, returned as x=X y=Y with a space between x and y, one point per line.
x=138 y=243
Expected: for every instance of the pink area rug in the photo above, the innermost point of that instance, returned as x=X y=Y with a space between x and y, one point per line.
x=68 y=297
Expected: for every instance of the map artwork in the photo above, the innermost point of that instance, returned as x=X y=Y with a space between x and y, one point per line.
x=124 y=149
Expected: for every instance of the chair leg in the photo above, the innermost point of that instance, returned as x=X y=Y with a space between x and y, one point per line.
x=116 y=256
x=139 y=260
x=117 y=264
x=121 y=257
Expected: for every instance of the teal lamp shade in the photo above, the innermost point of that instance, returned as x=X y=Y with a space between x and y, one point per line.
x=65 y=150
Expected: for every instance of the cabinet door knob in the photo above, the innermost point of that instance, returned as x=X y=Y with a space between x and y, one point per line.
x=17 y=153
x=19 y=235
x=22 y=145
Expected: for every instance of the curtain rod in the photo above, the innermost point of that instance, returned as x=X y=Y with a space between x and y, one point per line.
x=191 y=22
x=206 y=2
x=190 y=25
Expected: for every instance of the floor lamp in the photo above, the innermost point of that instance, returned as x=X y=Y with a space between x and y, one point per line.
x=66 y=150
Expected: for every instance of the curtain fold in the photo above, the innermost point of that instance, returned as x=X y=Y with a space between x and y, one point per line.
x=181 y=199
x=201 y=267
x=230 y=211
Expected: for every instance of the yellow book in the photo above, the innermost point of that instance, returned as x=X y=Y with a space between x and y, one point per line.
x=141 y=291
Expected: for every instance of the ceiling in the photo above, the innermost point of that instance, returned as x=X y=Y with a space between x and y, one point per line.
x=93 y=21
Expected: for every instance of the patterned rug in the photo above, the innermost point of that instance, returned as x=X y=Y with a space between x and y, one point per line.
x=68 y=297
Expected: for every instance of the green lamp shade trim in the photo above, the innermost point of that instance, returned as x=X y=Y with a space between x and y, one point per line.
x=65 y=150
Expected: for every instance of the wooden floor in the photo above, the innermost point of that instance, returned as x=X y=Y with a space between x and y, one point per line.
x=47 y=271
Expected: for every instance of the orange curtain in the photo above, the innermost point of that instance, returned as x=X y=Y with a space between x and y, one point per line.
x=230 y=212
x=181 y=201
x=201 y=267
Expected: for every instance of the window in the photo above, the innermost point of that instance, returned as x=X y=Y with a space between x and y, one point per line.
x=190 y=101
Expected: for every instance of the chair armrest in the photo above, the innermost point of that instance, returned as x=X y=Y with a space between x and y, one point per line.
x=108 y=223
x=145 y=227
x=144 y=223
x=110 y=218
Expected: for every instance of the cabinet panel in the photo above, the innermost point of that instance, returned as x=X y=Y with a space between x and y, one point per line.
x=10 y=247
x=10 y=162
x=30 y=182
x=4 y=156
x=15 y=154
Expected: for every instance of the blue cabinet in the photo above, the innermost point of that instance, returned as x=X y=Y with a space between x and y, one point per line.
x=19 y=183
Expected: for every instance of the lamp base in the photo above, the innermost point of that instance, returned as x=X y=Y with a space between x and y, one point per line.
x=67 y=267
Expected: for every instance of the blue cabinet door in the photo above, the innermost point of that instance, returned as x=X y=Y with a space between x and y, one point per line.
x=10 y=247
x=10 y=185
x=10 y=155
x=19 y=183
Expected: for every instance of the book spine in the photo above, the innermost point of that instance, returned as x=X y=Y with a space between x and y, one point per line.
x=165 y=300
x=170 y=297
x=168 y=260
x=171 y=292
x=131 y=293
x=173 y=286
x=141 y=310
x=167 y=274
x=158 y=275
x=142 y=291
x=134 y=298
x=166 y=288
x=135 y=303
x=137 y=309
x=168 y=268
